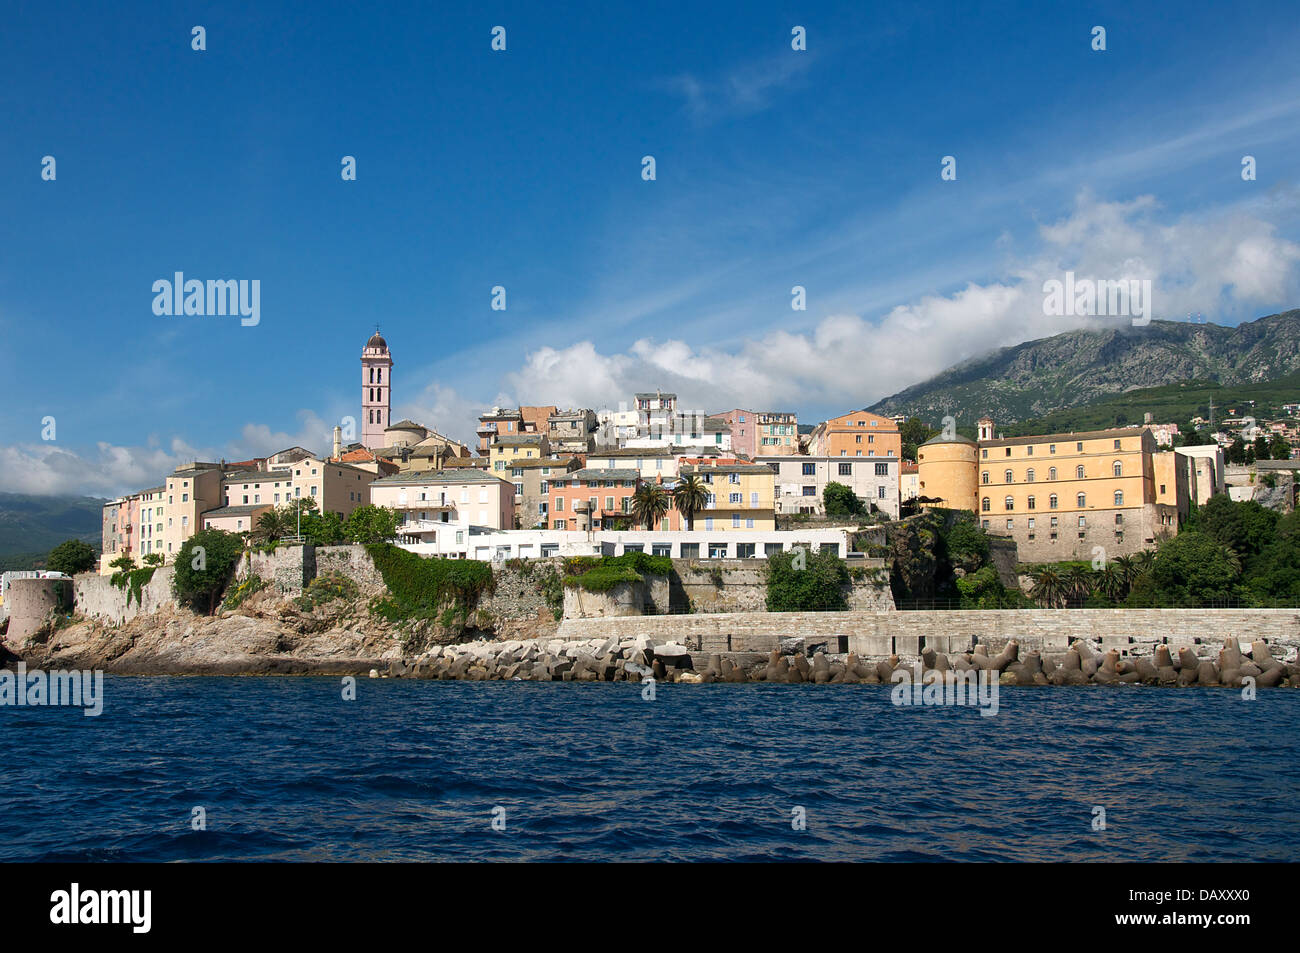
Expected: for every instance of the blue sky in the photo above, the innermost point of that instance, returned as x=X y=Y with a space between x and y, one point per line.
x=522 y=169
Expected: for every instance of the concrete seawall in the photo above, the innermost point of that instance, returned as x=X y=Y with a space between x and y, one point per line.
x=908 y=633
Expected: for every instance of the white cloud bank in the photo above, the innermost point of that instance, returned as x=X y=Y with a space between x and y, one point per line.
x=1235 y=262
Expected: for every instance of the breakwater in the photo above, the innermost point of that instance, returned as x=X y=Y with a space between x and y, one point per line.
x=797 y=662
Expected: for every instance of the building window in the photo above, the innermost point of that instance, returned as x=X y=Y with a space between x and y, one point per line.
x=810 y=469
x=984 y=477
x=1081 y=500
x=1051 y=448
x=1010 y=524
x=1116 y=444
x=810 y=491
x=984 y=505
x=1010 y=503
x=1006 y=476
x=1029 y=475
x=846 y=469
x=1051 y=502
x=1119 y=519
x=1118 y=468
x=880 y=492
x=1119 y=497
x=1051 y=473
x=1079 y=447
x=1083 y=521
x=1031 y=503
x=1078 y=473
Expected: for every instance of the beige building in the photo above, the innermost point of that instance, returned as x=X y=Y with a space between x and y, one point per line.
x=531 y=480
x=466 y=495
x=193 y=489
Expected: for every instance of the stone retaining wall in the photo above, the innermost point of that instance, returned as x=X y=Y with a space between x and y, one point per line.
x=740 y=585
x=96 y=597
x=878 y=634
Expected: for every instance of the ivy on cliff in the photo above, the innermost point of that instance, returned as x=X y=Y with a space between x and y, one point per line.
x=428 y=587
x=133 y=581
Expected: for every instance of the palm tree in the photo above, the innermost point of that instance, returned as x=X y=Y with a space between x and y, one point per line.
x=1144 y=560
x=1128 y=570
x=270 y=525
x=650 y=504
x=1048 y=589
x=690 y=496
x=1077 y=582
x=1111 y=583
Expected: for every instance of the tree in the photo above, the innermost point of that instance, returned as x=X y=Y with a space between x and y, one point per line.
x=1077 y=582
x=914 y=432
x=204 y=565
x=817 y=587
x=967 y=545
x=1262 y=451
x=1111 y=582
x=123 y=563
x=650 y=504
x=690 y=496
x=153 y=559
x=840 y=500
x=1237 y=452
x=71 y=557
x=270 y=525
x=1244 y=527
x=1049 y=589
x=1279 y=448
x=1192 y=569
x=372 y=524
x=323 y=529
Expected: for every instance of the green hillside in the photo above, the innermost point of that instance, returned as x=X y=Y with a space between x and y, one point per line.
x=1169 y=403
x=30 y=526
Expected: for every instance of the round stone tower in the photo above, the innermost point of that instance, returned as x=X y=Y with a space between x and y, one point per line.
x=947 y=471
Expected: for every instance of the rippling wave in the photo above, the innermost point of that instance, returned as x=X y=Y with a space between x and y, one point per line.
x=413 y=770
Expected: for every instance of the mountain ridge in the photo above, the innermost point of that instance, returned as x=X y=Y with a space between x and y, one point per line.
x=1078 y=367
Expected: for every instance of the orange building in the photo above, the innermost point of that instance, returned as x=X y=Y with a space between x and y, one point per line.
x=586 y=499
x=859 y=434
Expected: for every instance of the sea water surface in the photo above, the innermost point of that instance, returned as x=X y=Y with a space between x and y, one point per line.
x=285 y=769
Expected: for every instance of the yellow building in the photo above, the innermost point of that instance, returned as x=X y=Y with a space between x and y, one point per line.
x=741 y=495
x=506 y=448
x=1060 y=496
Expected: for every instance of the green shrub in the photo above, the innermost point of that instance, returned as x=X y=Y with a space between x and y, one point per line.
x=239 y=594
x=603 y=578
x=326 y=588
x=817 y=587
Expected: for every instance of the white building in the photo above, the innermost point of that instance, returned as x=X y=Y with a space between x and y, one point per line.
x=472 y=542
x=801 y=481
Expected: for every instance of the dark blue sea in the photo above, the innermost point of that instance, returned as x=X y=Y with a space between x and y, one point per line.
x=414 y=770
